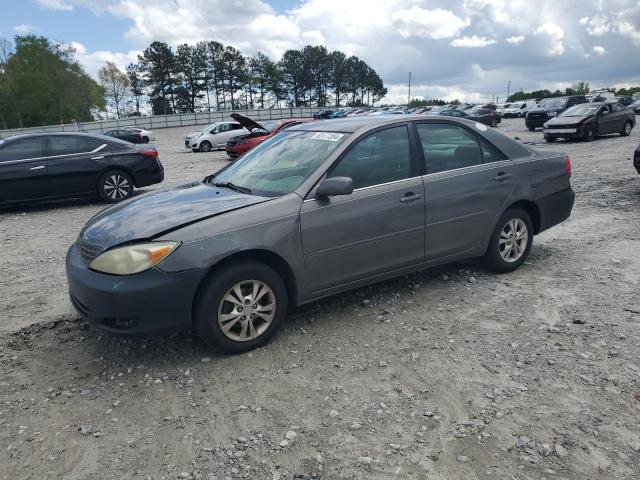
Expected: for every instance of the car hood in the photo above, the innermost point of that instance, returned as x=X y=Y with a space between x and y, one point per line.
x=150 y=215
x=247 y=122
x=568 y=120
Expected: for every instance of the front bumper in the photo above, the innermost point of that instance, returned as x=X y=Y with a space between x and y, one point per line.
x=535 y=122
x=150 y=302
x=563 y=132
x=555 y=208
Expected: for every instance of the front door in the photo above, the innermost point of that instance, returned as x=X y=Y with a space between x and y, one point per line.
x=467 y=184
x=376 y=229
x=23 y=169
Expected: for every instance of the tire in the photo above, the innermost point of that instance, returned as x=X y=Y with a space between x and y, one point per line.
x=499 y=257
x=589 y=134
x=115 y=186
x=532 y=129
x=212 y=310
x=550 y=139
x=626 y=130
x=205 y=146
x=145 y=139
x=494 y=122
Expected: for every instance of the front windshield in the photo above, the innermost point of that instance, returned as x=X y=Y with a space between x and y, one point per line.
x=580 y=110
x=554 y=102
x=279 y=165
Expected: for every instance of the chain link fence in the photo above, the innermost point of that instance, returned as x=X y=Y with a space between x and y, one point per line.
x=168 y=121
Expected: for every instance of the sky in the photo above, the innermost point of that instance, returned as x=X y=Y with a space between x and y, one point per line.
x=465 y=49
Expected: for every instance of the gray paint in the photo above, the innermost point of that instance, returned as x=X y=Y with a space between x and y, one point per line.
x=334 y=244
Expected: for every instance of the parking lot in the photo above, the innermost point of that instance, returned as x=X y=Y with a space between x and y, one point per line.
x=451 y=373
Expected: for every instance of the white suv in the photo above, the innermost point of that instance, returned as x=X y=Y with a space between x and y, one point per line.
x=213 y=136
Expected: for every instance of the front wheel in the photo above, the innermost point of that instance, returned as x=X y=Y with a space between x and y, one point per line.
x=494 y=122
x=240 y=306
x=589 y=134
x=510 y=242
x=532 y=129
x=626 y=130
x=115 y=186
x=549 y=139
x=205 y=146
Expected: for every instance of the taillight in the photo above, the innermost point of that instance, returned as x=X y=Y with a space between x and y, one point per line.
x=148 y=153
x=567 y=165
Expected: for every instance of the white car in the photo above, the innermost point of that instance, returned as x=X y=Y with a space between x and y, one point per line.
x=518 y=109
x=147 y=135
x=213 y=136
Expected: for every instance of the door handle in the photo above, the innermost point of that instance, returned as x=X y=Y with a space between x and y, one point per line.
x=39 y=167
x=501 y=177
x=99 y=157
x=410 y=197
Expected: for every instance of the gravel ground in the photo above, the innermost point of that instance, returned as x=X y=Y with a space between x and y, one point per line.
x=450 y=373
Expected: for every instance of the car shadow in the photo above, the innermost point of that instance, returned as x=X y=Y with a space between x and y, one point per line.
x=61 y=203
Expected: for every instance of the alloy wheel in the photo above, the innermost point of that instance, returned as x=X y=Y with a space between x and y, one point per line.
x=627 y=128
x=116 y=187
x=513 y=240
x=246 y=310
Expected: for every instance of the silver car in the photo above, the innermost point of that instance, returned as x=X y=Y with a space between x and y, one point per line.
x=318 y=209
x=214 y=136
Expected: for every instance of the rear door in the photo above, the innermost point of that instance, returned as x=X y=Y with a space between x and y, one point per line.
x=619 y=115
x=607 y=122
x=379 y=227
x=467 y=184
x=74 y=163
x=23 y=169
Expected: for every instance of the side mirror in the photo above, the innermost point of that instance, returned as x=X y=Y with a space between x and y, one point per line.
x=330 y=187
x=214 y=131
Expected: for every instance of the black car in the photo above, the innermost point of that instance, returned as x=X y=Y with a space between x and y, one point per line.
x=127 y=135
x=626 y=101
x=589 y=120
x=636 y=159
x=322 y=114
x=44 y=166
x=476 y=114
x=549 y=108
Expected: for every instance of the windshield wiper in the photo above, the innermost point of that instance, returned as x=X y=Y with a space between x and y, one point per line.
x=232 y=186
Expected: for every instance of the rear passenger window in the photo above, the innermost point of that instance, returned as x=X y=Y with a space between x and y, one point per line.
x=449 y=147
x=66 y=144
x=382 y=157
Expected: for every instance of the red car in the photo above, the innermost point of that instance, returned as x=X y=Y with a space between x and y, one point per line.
x=259 y=132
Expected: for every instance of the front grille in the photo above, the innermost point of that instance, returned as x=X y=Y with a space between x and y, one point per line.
x=537 y=116
x=89 y=252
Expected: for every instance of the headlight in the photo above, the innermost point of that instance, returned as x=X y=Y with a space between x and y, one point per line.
x=553 y=114
x=545 y=125
x=132 y=258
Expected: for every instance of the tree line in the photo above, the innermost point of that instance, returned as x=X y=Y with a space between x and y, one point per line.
x=211 y=76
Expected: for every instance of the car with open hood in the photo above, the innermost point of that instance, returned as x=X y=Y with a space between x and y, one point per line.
x=214 y=136
x=258 y=132
x=317 y=209
x=549 y=108
x=590 y=120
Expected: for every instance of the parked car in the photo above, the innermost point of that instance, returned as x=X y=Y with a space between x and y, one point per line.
x=259 y=132
x=626 y=101
x=125 y=134
x=518 y=109
x=43 y=166
x=318 y=209
x=482 y=115
x=213 y=136
x=147 y=135
x=590 y=120
x=636 y=159
x=635 y=106
x=322 y=114
x=502 y=107
x=549 y=108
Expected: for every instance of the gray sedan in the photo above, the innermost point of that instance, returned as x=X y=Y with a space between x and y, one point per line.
x=318 y=209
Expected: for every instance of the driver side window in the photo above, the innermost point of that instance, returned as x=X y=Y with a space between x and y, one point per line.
x=382 y=157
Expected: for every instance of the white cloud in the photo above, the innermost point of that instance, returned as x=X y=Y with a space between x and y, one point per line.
x=93 y=61
x=599 y=50
x=515 y=40
x=555 y=34
x=629 y=30
x=472 y=42
x=435 y=24
x=25 y=28
x=596 y=25
x=56 y=4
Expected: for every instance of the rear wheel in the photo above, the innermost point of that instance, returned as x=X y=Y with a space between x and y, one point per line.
x=115 y=186
x=532 y=129
x=241 y=306
x=626 y=130
x=494 y=122
x=510 y=242
x=145 y=139
x=205 y=146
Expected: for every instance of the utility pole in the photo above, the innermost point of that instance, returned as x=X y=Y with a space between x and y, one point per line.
x=508 y=88
x=409 y=97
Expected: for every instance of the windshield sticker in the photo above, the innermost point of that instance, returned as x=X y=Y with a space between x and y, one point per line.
x=328 y=136
x=481 y=127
